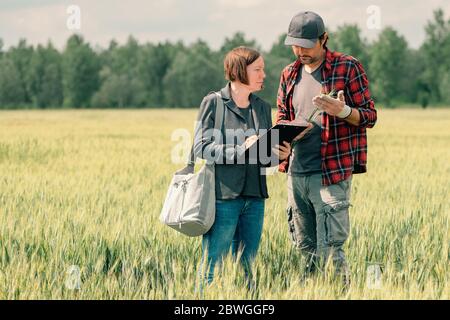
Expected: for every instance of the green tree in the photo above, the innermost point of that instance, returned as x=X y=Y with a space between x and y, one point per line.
x=120 y=83
x=81 y=67
x=413 y=86
x=436 y=48
x=190 y=77
x=106 y=56
x=279 y=49
x=21 y=57
x=387 y=66
x=444 y=86
x=119 y=91
x=124 y=59
x=273 y=66
x=237 y=40
x=347 y=39
x=46 y=77
x=153 y=64
x=12 y=92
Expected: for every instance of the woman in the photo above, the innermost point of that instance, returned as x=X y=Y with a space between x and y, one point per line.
x=240 y=188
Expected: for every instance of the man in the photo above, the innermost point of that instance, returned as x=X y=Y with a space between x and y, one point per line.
x=322 y=163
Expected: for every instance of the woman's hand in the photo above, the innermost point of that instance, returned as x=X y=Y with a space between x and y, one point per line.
x=284 y=151
x=250 y=140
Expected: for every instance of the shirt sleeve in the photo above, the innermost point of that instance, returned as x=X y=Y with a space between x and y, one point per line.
x=209 y=142
x=358 y=95
x=282 y=112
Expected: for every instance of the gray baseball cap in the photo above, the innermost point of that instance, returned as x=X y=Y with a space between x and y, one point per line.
x=304 y=30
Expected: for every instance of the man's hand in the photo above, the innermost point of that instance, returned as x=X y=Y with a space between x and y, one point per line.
x=335 y=106
x=330 y=105
x=283 y=151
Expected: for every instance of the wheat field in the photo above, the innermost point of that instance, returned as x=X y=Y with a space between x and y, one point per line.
x=81 y=192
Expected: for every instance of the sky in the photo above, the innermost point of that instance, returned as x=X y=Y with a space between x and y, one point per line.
x=209 y=20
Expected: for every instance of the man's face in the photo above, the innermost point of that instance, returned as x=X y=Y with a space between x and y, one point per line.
x=309 y=55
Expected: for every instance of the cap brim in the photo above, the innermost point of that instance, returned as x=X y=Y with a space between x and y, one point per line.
x=304 y=43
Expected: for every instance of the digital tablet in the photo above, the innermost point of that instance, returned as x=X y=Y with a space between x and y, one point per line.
x=275 y=135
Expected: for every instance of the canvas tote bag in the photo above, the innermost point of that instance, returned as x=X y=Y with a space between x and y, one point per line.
x=190 y=204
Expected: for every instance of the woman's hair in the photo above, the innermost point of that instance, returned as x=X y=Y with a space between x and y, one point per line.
x=236 y=62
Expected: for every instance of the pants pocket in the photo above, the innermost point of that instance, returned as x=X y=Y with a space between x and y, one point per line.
x=337 y=223
x=302 y=230
x=293 y=221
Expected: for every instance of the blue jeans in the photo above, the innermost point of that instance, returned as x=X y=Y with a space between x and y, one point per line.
x=238 y=224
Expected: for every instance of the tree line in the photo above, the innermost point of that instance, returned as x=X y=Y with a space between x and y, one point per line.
x=178 y=75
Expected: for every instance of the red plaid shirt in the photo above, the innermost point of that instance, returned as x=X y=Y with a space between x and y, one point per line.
x=344 y=146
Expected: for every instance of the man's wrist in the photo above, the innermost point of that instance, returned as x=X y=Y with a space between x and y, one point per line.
x=345 y=113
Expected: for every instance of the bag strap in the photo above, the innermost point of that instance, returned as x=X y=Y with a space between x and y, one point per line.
x=220 y=110
x=218 y=122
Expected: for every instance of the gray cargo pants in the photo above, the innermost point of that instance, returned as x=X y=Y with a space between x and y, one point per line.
x=318 y=218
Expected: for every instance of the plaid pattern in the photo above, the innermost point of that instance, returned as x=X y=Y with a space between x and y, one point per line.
x=344 y=146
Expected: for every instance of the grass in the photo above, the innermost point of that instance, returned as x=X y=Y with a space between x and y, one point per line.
x=85 y=188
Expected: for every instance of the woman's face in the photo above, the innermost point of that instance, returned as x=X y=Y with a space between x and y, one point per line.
x=256 y=75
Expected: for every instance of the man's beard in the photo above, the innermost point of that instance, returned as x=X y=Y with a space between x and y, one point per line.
x=308 y=59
